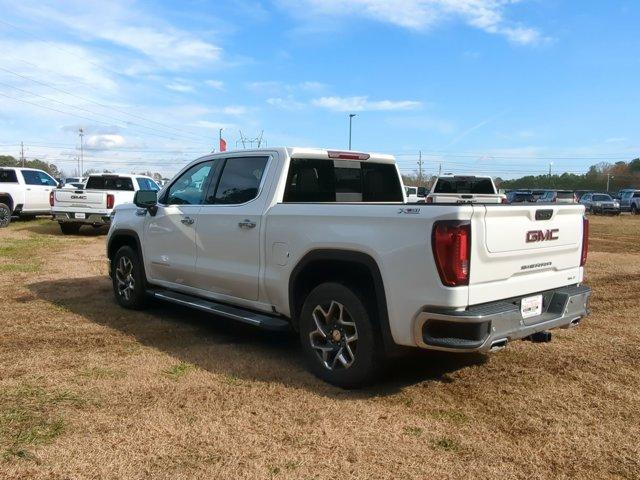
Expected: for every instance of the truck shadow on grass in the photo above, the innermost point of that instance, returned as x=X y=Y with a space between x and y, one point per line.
x=52 y=228
x=237 y=352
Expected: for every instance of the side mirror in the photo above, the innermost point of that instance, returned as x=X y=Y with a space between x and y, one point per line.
x=422 y=191
x=147 y=199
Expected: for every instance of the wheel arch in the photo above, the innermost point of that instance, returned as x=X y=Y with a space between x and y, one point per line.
x=124 y=237
x=349 y=266
x=7 y=199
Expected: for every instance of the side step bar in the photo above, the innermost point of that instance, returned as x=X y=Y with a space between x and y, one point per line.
x=260 y=320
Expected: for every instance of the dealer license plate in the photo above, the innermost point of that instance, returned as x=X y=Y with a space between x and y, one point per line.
x=81 y=215
x=531 y=306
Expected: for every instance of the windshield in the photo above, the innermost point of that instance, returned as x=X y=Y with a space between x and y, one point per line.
x=601 y=198
x=109 y=183
x=464 y=185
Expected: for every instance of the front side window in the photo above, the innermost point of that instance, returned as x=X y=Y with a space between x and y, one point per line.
x=189 y=187
x=109 y=182
x=34 y=177
x=8 y=176
x=311 y=180
x=147 y=184
x=239 y=181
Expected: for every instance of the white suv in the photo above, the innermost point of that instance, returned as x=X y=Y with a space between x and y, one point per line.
x=24 y=192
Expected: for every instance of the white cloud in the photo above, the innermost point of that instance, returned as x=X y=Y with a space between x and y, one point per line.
x=215 y=84
x=362 y=103
x=104 y=141
x=276 y=88
x=180 y=87
x=423 y=15
x=121 y=24
x=286 y=103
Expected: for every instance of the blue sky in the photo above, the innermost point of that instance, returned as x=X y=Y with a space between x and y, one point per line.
x=486 y=86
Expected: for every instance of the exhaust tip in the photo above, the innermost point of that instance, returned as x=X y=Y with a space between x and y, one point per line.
x=498 y=345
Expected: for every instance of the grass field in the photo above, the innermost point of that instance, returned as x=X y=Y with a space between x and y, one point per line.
x=89 y=390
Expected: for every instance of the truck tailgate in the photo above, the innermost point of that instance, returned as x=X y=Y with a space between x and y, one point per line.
x=521 y=249
x=80 y=199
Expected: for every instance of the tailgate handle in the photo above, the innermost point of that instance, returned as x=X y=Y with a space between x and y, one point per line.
x=544 y=214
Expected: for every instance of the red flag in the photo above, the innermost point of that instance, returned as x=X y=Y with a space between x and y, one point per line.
x=223 y=145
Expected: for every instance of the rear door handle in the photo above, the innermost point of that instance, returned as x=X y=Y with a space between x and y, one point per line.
x=246 y=223
x=187 y=220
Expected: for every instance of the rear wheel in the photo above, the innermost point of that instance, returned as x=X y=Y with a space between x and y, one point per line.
x=341 y=344
x=128 y=279
x=634 y=209
x=70 y=228
x=5 y=215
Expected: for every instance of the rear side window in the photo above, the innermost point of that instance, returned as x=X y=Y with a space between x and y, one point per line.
x=109 y=183
x=312 y=180
x=636 y=195
x=8 y=176
x=464 y=185
x=239 y=181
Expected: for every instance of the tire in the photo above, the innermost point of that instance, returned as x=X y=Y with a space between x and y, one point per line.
x=332 y=314
x=5 y=215
x=634 y=210
x=128 y=279
x=70 y=228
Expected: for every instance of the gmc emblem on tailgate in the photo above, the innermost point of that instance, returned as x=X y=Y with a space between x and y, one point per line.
x=542 y=235
x=78 y=197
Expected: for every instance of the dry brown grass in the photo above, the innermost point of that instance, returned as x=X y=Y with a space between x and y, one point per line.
x=89 y=390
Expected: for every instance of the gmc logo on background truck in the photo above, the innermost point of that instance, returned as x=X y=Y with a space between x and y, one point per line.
x=542 y=235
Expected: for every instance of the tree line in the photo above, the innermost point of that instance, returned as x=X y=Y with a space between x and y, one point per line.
x=55 y=172
x=619 y=175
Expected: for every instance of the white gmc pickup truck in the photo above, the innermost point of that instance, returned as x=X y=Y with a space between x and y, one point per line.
x=93 y=204
x=24 y=192
x=323 y=242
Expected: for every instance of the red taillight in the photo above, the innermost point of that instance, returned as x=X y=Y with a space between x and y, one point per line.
x=451 y=243
x=503 y=200
x=110 y=200
x=51 y=196
x=585 y=241
x=348 y=155
x=429 y=199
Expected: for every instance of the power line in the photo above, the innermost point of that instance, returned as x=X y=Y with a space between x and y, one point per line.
x=48 y=85
x=174 y=137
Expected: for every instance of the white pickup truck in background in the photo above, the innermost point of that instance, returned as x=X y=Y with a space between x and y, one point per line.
x=93 y=204
x=464 y=189
x=24 y=192
x=322 y=242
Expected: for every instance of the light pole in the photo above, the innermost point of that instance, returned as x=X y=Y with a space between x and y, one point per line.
x=351 y=115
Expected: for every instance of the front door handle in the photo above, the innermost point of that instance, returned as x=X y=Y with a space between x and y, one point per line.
x=246 y=223
x=187 y=220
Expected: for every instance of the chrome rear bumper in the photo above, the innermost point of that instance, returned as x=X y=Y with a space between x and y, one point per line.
x=480 y=328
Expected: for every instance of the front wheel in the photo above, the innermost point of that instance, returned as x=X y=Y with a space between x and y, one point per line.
x=634 y=210
x=341 y=344
x=128 y=279
x=5 y=215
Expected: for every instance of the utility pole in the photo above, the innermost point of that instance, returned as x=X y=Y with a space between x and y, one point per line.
x=609 y=176
x=22 y=153
x=440 y=169
x=351 y=115
x=550 y=165
x=81 y=133
x=420 y=163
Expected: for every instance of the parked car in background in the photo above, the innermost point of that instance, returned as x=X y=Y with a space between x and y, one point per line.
x=321 y=242
x=76 y=180
x=557 y=196
x=415 y=194
x=625 y=197
x=634 y=203
x=464 y=189
x=24 y=192
x=516 y=196
x=93 y=204
x=600 y=203
x=580 y=193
